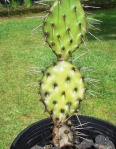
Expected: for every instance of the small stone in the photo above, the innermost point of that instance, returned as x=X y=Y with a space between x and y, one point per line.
x=102 y=142
x=36 y=147
x=86 y=144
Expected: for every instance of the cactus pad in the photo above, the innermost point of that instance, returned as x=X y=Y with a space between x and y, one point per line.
x=64 y=27
x=61 y=90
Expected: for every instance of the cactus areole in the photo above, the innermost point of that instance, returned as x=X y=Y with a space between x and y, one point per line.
x=62 y=87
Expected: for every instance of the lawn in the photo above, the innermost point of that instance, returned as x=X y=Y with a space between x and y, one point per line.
x=23 y=55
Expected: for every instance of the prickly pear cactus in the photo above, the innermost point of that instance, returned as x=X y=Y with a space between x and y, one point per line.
x=62 y=90
x=64 y=27
x=62 y=87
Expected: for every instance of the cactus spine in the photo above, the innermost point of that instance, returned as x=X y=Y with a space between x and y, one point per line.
x=62 y=87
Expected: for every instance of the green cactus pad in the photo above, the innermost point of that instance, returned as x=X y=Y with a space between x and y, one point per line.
x=61 y=90
x=64 y=27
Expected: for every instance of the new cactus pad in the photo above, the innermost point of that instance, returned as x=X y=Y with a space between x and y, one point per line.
x=64 y=27
x=62 y=87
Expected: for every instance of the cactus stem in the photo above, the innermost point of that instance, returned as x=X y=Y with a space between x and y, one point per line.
x=79 y=56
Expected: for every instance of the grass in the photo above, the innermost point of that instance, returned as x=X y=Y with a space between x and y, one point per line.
x=21 y=49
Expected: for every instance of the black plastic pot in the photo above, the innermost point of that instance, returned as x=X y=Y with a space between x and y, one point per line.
x=41 y=132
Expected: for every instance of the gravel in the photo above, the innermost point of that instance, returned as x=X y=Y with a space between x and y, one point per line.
x=101 y=142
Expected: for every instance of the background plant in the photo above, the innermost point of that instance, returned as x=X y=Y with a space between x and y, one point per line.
x=12 y=3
